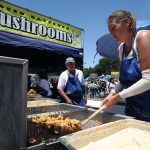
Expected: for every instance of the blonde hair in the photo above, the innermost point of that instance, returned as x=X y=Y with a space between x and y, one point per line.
x=120 y=15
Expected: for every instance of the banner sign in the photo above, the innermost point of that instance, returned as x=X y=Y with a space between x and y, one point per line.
x=25 y=22
x=115 y=74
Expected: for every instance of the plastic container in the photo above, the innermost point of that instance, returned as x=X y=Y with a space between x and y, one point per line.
x=82 y=138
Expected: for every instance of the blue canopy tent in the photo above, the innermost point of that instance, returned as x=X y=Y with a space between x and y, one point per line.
x=17 y=40
x=41 y=54
x=107 y=46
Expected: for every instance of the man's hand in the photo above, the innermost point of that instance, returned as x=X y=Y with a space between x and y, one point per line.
x=107 y=99
x=69 y=101
x=111 y=100
x=63 y=94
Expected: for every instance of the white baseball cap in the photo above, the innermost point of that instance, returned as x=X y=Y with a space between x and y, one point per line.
x=70 y=60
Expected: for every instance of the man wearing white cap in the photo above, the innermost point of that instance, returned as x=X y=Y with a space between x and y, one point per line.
x=71 y=84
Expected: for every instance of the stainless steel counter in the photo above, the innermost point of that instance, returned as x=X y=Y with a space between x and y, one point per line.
x=73 y=112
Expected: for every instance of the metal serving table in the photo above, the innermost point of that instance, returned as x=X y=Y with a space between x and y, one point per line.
x=71 y=111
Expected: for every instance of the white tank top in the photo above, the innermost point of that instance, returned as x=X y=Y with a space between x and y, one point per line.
x=120 y=50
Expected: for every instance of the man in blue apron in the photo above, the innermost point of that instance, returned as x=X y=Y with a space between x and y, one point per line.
x=134 y=54
x=71 y=85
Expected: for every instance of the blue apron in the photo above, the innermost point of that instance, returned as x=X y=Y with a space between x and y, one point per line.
x=74 y=91
x=137 y=106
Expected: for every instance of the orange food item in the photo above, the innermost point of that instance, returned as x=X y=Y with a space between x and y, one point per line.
x=31 y=92
x=59 y=125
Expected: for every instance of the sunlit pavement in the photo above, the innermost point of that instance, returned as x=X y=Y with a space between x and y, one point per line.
x=95 y=103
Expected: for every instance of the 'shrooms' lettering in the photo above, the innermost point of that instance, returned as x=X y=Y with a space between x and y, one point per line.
x=22 y=24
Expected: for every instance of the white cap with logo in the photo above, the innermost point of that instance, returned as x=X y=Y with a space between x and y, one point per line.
x=70 y=60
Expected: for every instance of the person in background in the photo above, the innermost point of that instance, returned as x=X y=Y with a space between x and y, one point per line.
x=71 y=85
x=92 y=87
x=43 y=86
x=111 y=84
x=29 y=82
x=134 y=54
x=54 y=89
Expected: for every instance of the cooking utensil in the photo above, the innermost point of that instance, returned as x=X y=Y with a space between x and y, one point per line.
x=100 y=110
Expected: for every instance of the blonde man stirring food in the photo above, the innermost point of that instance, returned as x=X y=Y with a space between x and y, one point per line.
x=134 y=56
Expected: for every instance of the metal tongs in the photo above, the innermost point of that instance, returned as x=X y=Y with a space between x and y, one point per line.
x=100 y=110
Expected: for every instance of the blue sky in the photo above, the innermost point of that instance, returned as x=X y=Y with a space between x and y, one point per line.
x=90 y=15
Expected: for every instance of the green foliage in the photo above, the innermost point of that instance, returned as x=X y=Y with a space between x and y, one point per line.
x=104 y=66
x=87 y=71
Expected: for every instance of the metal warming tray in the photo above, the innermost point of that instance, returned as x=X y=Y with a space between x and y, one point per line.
x=73 y=112
x=38 y=97
x=33 y=97
x=42 y=102
x=53 y=109
x=82 y=138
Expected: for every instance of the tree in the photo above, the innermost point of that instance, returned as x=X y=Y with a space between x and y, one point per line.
x=105 y=66
x=86 y=72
